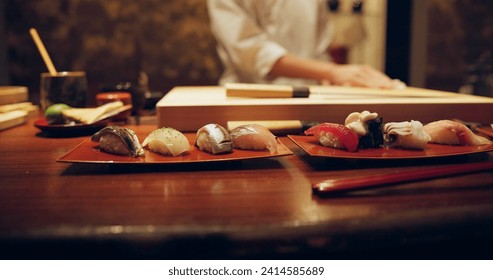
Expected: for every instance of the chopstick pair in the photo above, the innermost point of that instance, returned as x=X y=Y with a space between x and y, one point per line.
x=344 y=185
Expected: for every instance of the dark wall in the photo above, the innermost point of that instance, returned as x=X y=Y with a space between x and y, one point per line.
x=113 y=41
x=459 y=32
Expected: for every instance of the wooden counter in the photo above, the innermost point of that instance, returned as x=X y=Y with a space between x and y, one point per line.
x=261 y=208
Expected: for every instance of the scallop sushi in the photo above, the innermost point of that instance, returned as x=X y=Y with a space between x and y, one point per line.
x=335 y=135
x=118 y=140
x=253 y=137
x=453 y=133
x=167 y=141
x=408 y=134
x=214 y=139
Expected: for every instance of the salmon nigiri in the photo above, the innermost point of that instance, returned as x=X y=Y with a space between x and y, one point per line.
x=335 y=136
x=453 y=133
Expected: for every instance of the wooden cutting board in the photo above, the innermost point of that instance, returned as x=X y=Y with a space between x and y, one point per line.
x=12 y=118
x=13 y=94
x=189 y=108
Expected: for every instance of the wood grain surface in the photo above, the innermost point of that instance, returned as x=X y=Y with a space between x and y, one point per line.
x=259 y=208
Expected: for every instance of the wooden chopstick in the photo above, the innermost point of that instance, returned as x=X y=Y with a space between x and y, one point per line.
x=334 y=186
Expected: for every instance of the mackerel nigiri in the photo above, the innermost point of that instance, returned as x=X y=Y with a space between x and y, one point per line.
x=118 y=140
x=214 y=139
x=335 y=135
x=453 y=133
x=253 y=137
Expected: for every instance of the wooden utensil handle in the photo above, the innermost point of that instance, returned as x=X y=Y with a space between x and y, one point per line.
x=365 y=182
x=265 y=91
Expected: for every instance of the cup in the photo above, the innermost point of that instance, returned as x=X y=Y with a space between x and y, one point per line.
x=68 y=87
x=124 y=97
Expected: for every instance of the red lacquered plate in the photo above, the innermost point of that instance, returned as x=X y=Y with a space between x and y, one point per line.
x=88 y=152
x=311 y=146
x=43 y=125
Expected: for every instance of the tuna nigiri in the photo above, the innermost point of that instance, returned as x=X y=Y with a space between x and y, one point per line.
x=253 y=137
x=453 y=133
x=214 y=139
x=335 y=135
x=167 y=141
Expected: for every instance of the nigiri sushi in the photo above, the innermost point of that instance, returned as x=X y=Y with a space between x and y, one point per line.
x=167 y=140
x=409 y=135
x=368 y=126
x=335 y=135
x=253 y=137
x=118 y=140
x=214 y=139
x=453 y=133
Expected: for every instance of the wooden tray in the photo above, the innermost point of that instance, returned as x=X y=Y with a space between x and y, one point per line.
x=88 y=152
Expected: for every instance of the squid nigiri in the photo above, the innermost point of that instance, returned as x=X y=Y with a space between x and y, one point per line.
x=335 y=135
x=453 y=133
x=214 y=139
x=409 y=135
x=167 y=140
x=253 y=137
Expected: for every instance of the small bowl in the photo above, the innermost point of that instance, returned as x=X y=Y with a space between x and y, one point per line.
x=107 y=97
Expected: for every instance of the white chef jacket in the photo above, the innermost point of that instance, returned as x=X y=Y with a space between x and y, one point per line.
x=253 y=34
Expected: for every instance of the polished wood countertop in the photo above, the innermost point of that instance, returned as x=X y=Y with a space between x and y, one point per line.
x=259 y=208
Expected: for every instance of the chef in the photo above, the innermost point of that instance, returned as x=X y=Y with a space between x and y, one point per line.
x=282 y=42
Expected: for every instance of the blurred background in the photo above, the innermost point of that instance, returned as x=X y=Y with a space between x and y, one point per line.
x=436 y=44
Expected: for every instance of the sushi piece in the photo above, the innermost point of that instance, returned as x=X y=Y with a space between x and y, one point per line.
x=167 y=141
x=409 y=135
x=368 y=126
x=335 y=135
x=453 y=133
x=253 y=137
x=214 y=139
x=118 y=140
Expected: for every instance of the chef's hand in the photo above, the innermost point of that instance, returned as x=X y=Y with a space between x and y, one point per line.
x=358 y=76
x=331 y=73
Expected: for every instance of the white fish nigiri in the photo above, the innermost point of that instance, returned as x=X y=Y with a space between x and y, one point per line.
x=167 y=141
x=214 y=139
x=453 y=133
x=254 y=137
x=409 y=135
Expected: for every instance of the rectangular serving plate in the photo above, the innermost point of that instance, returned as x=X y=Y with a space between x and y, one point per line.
x=88 y=152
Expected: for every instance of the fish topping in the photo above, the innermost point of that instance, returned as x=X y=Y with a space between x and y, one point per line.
x=408 y=134
x=118 y=140
x=167 y=140
x=214 y=139
x=358 y=122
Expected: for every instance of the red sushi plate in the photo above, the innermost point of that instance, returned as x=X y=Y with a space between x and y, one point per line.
x=311 y=146
x=88 y=152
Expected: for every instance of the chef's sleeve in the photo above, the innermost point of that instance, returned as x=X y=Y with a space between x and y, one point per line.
x=247 y=46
